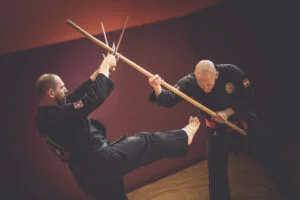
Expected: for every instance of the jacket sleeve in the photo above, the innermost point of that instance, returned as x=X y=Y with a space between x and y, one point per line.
x=79 y=91
x=95 y=95
x=169 y=99
x=241 y=99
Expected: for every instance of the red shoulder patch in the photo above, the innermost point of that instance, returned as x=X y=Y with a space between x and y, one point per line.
x=246 y=82
x=78 y=104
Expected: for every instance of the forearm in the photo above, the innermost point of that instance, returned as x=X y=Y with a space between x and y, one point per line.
x=104 y=70
x=94 y=75
x=229 y=112
x=108 y=62
x=157 y=90
x=101 y=70
x=165 y=99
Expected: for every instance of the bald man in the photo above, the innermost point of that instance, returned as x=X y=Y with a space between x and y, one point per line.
x=97 y=164
x=225 y=89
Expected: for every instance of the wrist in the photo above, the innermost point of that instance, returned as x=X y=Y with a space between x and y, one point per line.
x=157 y=90
x=104 y=71
x=229 y=112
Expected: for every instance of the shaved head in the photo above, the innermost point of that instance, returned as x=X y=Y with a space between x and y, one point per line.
x=205 y=66
x=45 y=82
x=206 y=75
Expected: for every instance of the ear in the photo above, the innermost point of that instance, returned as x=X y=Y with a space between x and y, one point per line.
x=51 y=93
x=217 y=75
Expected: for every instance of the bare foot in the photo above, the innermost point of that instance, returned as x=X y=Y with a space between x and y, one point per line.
x=192 y=128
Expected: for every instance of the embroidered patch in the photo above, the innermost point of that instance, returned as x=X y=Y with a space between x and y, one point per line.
x=78 y=104
x=229 y=88
x=246 y=82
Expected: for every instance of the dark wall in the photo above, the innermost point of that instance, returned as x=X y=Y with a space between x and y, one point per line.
x=261 y=38
x=238 y=32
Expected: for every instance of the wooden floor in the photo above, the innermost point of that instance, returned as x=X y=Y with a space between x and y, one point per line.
x=247 y=181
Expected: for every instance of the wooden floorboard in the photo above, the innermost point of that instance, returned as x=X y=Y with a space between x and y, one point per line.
x=247 y=181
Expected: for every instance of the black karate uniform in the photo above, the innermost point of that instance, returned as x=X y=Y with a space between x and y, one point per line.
x=97 y=164
x=232 y=89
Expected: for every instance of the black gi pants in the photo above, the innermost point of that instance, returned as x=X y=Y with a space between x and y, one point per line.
x=260 y=145
x=133 y=152
x=222 y=141
x=219 y=145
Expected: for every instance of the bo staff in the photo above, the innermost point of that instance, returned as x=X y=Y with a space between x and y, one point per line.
x=149 y=75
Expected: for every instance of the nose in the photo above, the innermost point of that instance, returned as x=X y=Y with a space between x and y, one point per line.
x=206 y=89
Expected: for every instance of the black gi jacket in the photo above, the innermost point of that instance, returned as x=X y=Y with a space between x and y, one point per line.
x=232 y=89
x=69 y=127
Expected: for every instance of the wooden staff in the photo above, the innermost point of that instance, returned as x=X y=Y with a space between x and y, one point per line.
x=149 y=75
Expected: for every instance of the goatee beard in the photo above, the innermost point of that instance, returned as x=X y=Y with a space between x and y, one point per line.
x=61 y=101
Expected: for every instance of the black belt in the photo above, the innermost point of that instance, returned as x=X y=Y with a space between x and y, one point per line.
x=57 y=149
